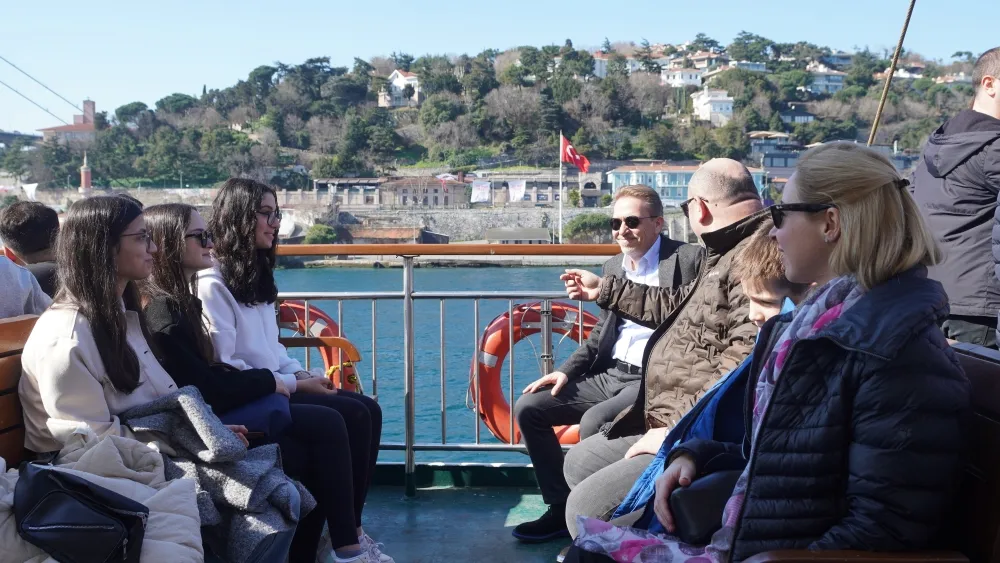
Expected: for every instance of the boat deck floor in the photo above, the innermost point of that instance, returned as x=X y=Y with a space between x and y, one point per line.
x=457 y=524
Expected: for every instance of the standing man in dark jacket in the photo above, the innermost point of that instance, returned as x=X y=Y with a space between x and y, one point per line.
x=701 y=334
x=602 y=376
x=957 y=184
x=29 y=230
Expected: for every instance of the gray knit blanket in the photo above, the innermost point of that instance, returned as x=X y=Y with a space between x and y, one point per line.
x=243 y=495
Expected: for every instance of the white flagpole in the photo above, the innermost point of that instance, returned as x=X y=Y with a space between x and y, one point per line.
x=560 y=186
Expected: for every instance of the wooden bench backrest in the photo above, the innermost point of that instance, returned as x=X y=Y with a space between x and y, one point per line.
x=13 y=334
x=975 y=528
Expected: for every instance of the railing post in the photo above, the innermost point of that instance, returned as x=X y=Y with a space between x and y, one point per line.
x=408 y=374
x=547 y=364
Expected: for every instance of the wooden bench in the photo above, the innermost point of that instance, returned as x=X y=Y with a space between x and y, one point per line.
x=13 y=334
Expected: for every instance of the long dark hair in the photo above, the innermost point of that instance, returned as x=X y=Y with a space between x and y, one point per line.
x=86 y=248
x=168 y=225
x=247 y=271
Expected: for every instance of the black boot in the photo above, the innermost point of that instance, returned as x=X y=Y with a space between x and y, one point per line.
x=549 y=526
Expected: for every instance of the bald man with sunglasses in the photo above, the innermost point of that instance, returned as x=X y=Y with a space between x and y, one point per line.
x=602 y=376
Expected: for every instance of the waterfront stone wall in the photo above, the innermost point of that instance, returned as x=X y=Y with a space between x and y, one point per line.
x=472 y=224
x=308 y=208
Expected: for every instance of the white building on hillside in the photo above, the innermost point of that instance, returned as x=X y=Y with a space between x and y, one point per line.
x=742 y=65
x=392 y=96
x=954 y=79
x=700 y=60
x=715 y=106
x=825 y=80
x=601 y=61
x=681 y=77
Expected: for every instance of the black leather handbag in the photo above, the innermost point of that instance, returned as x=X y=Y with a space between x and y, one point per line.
x=76 y=521
x=697 y=509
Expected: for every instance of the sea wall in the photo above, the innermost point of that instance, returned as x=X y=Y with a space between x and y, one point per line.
x=471 y=224
x=308 y=208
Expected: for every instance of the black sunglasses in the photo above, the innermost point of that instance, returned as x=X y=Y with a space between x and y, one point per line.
x=778 y=211
x=687 y=203
x=203 y=237
x=272 y=216
x=631 y=221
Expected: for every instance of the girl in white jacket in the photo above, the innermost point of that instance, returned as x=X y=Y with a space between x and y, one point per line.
x=239 y=299
x=87 y=358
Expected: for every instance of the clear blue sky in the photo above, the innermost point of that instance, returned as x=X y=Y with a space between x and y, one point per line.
x=119 y=52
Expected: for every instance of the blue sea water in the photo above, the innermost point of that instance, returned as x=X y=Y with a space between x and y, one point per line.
x=459 y=344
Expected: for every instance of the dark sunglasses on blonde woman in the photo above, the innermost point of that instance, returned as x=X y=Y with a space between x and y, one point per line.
x=779 y=210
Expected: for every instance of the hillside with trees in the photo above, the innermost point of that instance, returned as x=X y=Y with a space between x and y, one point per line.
x=492 y=108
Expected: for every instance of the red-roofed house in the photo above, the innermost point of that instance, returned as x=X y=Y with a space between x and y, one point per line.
x=392 y=95
x=82 y=129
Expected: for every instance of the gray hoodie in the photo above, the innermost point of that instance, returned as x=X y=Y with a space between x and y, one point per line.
x=20 y=293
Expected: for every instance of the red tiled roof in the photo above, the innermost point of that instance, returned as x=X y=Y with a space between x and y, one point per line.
x=407 y=74
x=377 y=233
x=75 y=128
x=420 y=182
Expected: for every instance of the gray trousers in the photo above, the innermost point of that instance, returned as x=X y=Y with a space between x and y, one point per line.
x=591 y=401
x=600 y=477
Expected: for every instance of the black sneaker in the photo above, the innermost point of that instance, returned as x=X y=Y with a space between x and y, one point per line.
x=549 y=526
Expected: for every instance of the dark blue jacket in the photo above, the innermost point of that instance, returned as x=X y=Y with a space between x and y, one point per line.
x=862 y=446
x=717 y=416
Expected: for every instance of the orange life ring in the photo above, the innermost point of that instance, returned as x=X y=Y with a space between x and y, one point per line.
x=492 y=404
x=292 y=315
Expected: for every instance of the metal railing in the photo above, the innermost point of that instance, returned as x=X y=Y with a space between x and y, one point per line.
x=409 y=295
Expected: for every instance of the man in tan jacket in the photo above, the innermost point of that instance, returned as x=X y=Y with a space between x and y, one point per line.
x=702 y=332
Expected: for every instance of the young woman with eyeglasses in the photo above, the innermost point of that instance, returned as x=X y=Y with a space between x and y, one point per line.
x=340 y=430
x=174 y=313
x=87 y=358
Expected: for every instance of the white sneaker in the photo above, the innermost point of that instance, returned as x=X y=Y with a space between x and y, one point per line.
x=374 y=550
x=363 y=558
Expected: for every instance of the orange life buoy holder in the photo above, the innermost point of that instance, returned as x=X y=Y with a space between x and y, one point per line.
x=292 y=315
x=495 y=344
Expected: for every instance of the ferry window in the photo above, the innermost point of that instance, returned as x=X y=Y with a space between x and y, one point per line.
x=369 y=200
x=425 y=199
x=404 y=199
x=446 y=200
x=435 y=190
x=435 y=199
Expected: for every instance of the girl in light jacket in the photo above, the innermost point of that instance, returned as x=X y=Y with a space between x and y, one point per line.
x=87 y=358
x=239 y=299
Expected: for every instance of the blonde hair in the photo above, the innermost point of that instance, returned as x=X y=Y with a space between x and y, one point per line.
x=644 y=194
x=881 y=231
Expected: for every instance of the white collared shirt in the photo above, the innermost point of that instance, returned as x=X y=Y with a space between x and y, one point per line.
x=632 y=337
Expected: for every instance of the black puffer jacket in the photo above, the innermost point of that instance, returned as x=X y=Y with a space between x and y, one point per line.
x=862 y=445
x=956 y=184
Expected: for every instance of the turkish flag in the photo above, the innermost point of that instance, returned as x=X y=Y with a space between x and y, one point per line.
x=568 y=154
